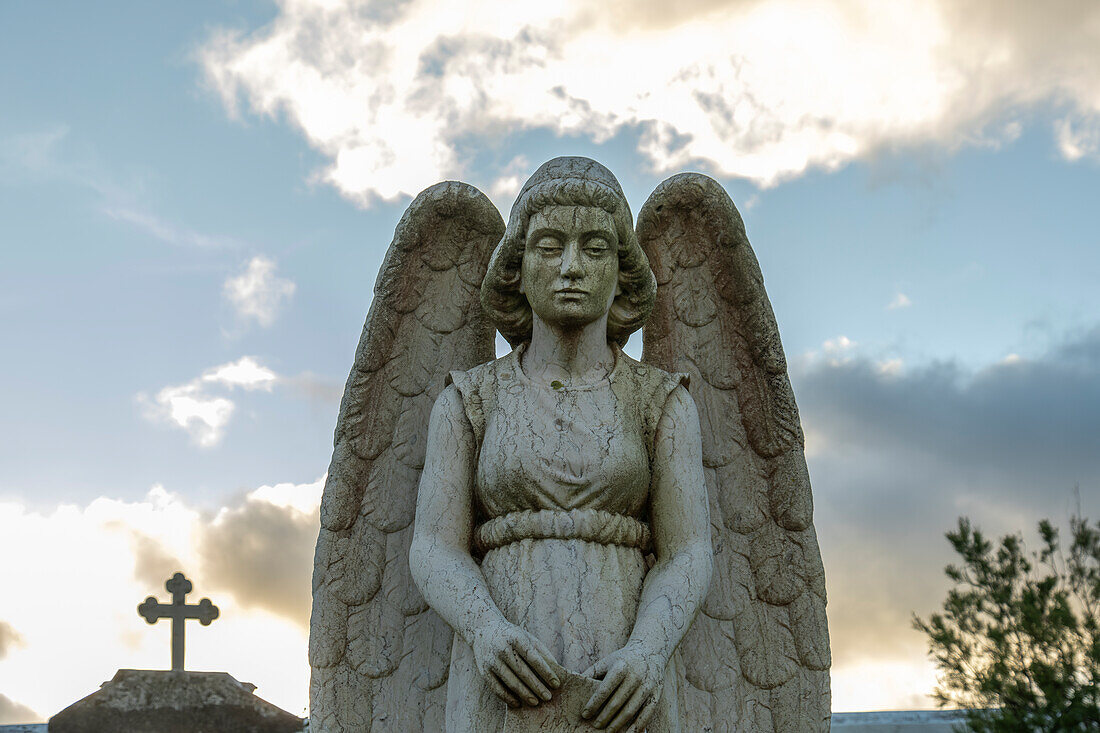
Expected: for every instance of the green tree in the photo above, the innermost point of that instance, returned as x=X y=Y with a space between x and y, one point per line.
x=1018 y=641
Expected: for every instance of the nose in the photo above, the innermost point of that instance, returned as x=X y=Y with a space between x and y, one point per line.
x=571 y=261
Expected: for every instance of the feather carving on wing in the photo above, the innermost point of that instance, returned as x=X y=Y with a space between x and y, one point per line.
x=379 y=655
x=757 y=656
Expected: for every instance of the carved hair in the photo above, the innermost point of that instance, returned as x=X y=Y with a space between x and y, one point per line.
x=568 y=181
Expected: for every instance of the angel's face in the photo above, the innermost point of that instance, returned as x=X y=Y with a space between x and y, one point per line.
x=570 y=270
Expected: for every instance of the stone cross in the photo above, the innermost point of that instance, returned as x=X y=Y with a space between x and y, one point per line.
x=152 y=610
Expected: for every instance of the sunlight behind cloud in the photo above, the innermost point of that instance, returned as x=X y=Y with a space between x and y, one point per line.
x=883 y=685
x=757 y=90
x=88 y=555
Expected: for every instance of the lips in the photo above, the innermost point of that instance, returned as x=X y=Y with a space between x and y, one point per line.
x=571 y=291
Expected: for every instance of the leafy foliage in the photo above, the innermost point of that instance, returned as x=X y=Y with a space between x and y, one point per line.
x=1018 y=641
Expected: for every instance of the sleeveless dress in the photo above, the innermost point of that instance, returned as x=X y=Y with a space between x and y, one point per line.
x=561 y=497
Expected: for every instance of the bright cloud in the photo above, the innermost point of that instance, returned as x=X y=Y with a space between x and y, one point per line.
x=106 y=557
x=883 y=685
x=245 y=372
x=203 y=414
x=890 y=367
x=760 y=90
x=1078 y=139
x=257 y=293
x=837 y=350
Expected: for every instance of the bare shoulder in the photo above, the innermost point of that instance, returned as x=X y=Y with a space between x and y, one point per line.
x=680 y=404
x=654 y=387
x=448 y=406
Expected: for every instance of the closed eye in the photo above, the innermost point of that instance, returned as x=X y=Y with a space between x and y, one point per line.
x=548 y=245
x=596 y=246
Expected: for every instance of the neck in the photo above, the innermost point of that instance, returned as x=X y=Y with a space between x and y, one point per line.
x=577 y=355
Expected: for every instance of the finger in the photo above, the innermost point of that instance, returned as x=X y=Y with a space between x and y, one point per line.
x=612 y=706
x=645 y=714
x=538 y=657
x=514 y=684
x=610 y=683
x=597 y=670
x=630 y=710
x=525 y=673
x=501 y=691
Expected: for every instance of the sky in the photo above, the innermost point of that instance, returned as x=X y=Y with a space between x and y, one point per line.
x=195 y=199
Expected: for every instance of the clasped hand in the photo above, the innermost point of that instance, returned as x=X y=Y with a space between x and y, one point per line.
x=518 y=667
x=631 y=687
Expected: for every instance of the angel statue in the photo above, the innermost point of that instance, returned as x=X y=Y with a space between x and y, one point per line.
x=566 y=539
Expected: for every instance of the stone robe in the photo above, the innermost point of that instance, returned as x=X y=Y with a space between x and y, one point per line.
x=562 y=497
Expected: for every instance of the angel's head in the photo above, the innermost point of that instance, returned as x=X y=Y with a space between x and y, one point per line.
x=570 y=216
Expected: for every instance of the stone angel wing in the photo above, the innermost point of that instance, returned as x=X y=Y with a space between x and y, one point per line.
x=379 y=655
x=757 y=656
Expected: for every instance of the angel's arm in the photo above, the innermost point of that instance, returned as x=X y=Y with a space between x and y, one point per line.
x=676 y=586
x=515 y=664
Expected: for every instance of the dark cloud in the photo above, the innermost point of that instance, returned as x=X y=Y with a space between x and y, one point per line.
x=13 y=713
x=263 y=555
x=153 y=565
x=897 y=459
x=9 y=638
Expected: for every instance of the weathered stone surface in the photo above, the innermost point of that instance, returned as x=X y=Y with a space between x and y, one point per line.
x=765 y=614
x=562 y=544
x=156 y=701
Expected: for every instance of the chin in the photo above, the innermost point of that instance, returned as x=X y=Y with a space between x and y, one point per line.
x=570 y=318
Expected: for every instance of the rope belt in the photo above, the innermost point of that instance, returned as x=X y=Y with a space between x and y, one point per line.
x=589 y=525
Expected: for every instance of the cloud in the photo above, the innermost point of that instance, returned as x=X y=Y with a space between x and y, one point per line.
x=52 y=156
x=393 y=94
x=245 y=373
x=901 y=300
x=107 y=556
x=33 y=154
x=153 y=564
x=13 y=713
x=835 y=351
x=203 y=417
x=1078 y=139
x=165 y=231
x=890 y=367
x=193 y=407
x=9 y=638
x=262 y=552
x=320 y=390
x=897 y=455
x=1026 y=419
x=504 y=189
x=257 y=293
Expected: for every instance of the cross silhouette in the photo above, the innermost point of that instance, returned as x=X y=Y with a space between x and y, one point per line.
x=153 y=610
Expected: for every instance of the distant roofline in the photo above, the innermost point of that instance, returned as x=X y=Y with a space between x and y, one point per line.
x=855 y=719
